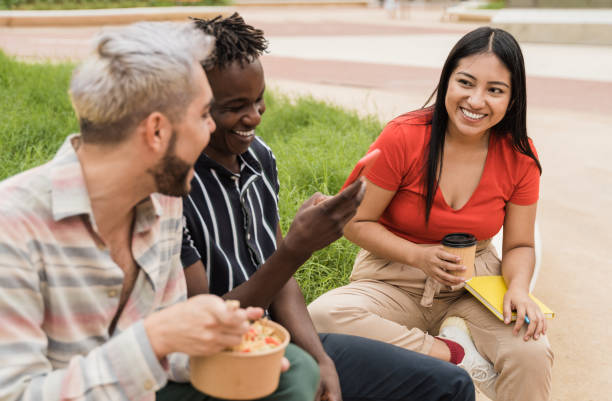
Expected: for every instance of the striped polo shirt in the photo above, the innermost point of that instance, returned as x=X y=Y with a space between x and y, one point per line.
x=60 y=289
x=231 y=219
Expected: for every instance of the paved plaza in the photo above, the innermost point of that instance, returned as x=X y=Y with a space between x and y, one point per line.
x=362 y=59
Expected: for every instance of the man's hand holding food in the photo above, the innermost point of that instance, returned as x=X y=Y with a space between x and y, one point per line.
x=201 y=326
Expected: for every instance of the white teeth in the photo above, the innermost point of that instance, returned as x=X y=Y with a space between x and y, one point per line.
x=472 y=115
x=245 y=134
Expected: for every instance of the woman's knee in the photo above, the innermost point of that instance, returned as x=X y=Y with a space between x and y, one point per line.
x=330 y=313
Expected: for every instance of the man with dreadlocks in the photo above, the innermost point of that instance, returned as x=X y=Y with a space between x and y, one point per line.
x=233 y=245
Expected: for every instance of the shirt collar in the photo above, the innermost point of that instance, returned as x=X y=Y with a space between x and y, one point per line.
x=69 y=196
x=248 y=163
x=148 y=211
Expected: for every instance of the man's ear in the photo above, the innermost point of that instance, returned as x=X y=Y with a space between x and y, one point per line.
x=156 y=131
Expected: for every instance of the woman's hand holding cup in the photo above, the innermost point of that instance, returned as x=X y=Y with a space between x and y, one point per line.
x=462 y=245
x=441 y=265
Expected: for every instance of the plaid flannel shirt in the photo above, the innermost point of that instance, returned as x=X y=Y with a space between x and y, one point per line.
x=59 y=291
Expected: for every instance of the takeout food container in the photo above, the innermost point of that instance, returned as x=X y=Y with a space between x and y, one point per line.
x=240 y=376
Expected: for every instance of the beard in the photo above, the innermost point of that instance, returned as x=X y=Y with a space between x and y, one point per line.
x=170 y=173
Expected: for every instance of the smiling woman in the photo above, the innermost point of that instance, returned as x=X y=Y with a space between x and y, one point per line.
x=464 y=165
x=476 y=100
x=478 y=96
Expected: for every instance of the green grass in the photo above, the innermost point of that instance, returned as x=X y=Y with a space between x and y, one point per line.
x=316 y=146
x=494 y=5
x=96 y=4
x=36 y=113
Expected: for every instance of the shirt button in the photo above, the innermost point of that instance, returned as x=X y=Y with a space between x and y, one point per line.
x=148 y=385
x=248 y=236
x=112 y=293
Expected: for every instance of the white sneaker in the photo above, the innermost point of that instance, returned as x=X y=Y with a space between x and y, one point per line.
x=481 y=370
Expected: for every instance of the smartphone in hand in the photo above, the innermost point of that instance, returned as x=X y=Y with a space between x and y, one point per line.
x=362 y=167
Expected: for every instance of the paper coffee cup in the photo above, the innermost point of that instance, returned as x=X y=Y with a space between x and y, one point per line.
x=464 y=246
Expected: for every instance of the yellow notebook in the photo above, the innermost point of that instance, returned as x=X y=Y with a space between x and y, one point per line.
x=490 y=291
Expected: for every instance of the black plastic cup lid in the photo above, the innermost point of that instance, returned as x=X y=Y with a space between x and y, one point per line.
x=459 y=240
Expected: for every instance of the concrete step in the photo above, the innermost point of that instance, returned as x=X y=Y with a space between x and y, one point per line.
x=541 y=25
x=117 y=16
x=573 y=26
x=469 y=11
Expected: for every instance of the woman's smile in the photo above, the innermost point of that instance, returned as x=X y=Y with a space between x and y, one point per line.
x=478 y=95
x=472 y=115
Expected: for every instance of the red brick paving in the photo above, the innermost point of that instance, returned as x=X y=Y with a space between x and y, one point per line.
x=572 y=94
x=337 y=28
x=557 y=93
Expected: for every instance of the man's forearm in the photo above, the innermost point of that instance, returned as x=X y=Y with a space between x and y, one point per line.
x=264 y=286
x=100 y=375
x=261 y=288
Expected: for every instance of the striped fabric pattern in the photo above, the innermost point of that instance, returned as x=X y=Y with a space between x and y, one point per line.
x=59 y=291
x=231 y=219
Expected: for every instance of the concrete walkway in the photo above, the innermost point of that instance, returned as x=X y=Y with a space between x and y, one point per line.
x=106 y=16
x=592 y=26
x=363 y=60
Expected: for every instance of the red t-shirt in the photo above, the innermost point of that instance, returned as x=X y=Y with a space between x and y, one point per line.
x=508 y=176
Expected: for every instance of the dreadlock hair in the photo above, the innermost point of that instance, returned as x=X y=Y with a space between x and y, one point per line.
x=234 y=41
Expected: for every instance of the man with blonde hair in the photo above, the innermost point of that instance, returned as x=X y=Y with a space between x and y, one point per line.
x=91 y=281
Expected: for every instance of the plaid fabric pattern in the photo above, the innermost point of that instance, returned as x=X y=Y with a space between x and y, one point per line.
x=60 y=289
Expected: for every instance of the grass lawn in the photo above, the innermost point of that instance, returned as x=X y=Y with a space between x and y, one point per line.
x=93 y=4
x=494 y=5
x=316 y=146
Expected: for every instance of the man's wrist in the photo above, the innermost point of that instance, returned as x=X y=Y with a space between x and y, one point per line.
x=156 y=337
x=324 y=359
x=292 y=251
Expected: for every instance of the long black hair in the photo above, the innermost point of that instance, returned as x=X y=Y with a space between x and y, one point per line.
x=507 y=49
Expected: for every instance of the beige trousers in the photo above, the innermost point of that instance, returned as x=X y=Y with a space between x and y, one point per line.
x=385 y=301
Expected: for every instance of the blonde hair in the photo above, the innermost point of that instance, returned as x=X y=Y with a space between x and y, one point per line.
x=134 y=71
